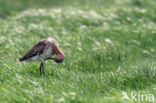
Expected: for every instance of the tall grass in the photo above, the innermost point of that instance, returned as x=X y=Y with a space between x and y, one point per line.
x=109 y=47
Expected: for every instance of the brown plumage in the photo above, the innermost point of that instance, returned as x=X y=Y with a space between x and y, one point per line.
x=44 y=50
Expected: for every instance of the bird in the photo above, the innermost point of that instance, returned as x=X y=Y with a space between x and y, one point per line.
x=43 y=50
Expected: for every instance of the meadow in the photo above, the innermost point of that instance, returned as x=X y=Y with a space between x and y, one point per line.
x=109 y=47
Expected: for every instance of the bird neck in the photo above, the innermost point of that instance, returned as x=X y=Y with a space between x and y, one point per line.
x=59 y=53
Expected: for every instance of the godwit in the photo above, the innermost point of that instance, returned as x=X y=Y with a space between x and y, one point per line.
x=44 y=50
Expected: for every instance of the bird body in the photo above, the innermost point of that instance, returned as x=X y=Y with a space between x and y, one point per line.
x=44 y=50
x=40 y=51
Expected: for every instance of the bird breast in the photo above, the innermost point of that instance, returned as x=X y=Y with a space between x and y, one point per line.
x=47 y=53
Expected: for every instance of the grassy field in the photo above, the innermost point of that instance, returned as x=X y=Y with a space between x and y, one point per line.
x=109 y=47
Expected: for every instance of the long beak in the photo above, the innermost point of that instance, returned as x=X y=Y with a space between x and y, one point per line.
x=52 y=58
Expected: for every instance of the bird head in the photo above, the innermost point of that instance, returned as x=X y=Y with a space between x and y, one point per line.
x=58 y=60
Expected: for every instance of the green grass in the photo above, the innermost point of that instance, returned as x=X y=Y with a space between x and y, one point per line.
x=109 y=48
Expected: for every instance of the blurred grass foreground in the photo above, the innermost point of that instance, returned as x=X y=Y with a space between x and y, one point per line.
x=109 y=47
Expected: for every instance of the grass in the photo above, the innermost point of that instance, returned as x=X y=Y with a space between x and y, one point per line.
x=109 y=48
